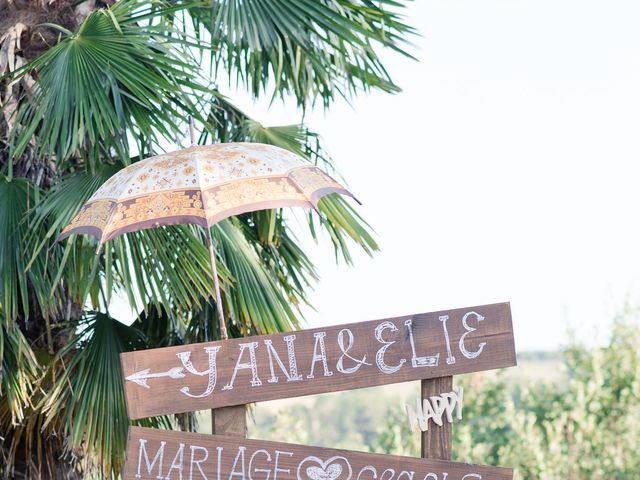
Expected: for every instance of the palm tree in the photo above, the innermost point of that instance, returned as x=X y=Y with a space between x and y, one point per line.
x=86 y=88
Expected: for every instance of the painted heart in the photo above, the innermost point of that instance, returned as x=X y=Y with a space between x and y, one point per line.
x=332 y=472
x=335 y=468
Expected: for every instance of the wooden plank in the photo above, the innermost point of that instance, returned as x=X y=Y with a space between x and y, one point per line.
x=154 y=454
x=245 y=370
x=437 y=442
x=230 y=421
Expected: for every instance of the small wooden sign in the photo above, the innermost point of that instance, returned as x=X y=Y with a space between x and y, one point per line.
x=344 y=357
x=160 y=454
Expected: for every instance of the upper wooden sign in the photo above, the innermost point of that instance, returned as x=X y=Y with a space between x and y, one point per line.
x=343 y=357
x=159 y=454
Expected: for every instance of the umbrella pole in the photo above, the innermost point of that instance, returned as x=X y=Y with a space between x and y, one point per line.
x=227 y=420
x=216 y=285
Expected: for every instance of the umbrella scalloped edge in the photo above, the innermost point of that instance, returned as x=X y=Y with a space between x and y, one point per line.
x=106 y=218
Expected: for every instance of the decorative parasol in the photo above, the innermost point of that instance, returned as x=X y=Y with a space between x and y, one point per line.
x=201 y=185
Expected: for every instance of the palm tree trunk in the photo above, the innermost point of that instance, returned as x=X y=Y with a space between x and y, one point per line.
x=22 y=38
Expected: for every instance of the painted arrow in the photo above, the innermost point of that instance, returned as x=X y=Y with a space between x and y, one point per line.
x=142 y=376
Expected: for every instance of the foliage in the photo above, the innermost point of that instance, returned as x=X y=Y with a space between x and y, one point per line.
x=87 y=88
x=304 y=47
x=90 y=384
x=316 y=420
x=585 y=427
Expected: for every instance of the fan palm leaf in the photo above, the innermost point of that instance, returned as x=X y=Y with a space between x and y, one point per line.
x=305 y=48
x=14 y=198
x=18 y=372
x=111 y=78
x=88 y=394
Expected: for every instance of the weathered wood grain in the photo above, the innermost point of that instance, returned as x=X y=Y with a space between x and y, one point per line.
x=155 y=454
x=230 y=421
x=343 y=357
x=437 y=442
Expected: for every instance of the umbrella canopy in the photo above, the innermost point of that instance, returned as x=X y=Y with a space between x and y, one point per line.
x=201 y=185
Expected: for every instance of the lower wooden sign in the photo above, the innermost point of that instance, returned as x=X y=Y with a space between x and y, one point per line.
x=161 y=454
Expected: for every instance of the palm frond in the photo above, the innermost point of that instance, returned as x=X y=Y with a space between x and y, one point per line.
x=151 y=274
x=255 y=301
x=87 y=395
x=113 y=78
x=31 y=450
x=73 y=269
x=138 y=263
x=14 y=198
x=18 y=372
x=304 y=48
x=226 y=123
x=296 y=138
x=17 y=196
x=161 y=327
x=279 y=252
x=339 y=219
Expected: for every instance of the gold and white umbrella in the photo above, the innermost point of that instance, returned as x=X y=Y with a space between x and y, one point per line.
x=201 y=185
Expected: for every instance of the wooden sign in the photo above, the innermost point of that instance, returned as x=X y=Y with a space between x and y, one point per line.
x=160 y=454
x=344 y=357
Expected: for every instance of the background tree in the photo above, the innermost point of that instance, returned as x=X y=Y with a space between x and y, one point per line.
x=573 y=414
x=86 y=89
x=584 y=424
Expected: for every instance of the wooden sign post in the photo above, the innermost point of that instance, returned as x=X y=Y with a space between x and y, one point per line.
x=226 y=375
x=229 y=421
x=437 y=442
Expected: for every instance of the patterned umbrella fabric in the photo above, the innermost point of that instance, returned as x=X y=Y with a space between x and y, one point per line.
x=201 y=185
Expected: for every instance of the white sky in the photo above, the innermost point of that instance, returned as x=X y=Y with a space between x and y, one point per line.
x=507 y=170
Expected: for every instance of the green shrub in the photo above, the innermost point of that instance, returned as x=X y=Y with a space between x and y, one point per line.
x=586 y=426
